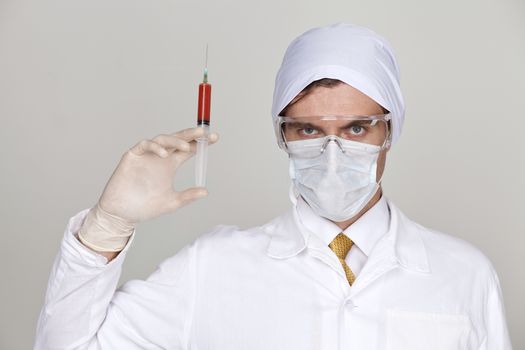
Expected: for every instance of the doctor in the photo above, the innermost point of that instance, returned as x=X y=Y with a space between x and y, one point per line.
x=342 y=269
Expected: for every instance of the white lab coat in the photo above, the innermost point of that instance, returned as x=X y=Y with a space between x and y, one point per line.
x=277 y=286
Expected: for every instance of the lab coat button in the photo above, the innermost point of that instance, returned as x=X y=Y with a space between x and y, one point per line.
x=349 y=304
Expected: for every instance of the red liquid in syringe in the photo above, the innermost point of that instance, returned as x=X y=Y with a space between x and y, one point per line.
x=203 y=112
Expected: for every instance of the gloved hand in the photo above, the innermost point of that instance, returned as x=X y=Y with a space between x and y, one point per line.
x=141 y=188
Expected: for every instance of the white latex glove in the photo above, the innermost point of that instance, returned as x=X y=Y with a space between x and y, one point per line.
x=141 y=188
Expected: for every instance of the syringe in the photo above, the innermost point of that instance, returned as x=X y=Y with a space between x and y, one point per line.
x=203 y=121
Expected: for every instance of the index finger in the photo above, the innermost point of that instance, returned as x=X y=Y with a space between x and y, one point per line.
x=189 y=134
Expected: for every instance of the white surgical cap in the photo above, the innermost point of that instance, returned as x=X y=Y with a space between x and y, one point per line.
x=350 y=53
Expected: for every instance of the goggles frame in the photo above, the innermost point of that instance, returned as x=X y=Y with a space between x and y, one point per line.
x=280 y=120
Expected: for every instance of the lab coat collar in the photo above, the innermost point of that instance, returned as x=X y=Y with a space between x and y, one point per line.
x=286 y=237
x=365 y=232
x=289 y=237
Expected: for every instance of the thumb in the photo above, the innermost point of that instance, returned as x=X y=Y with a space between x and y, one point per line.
x=187 y=196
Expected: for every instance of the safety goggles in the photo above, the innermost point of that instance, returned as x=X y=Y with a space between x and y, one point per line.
x=370 y=133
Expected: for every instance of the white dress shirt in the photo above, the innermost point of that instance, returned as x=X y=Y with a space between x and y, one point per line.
x=364 y=232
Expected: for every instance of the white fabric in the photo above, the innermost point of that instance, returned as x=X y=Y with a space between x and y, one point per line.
x=353 y=54
x=365 y=232
x=277 y=286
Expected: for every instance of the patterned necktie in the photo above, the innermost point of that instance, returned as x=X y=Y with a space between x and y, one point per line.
x=341 y=245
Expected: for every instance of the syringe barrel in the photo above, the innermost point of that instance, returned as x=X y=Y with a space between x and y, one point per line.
x=201 y=158
x=203 y=112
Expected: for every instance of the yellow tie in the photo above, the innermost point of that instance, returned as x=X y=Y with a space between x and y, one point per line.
x=341 y=246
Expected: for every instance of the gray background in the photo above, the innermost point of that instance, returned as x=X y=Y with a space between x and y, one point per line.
x=83 y=81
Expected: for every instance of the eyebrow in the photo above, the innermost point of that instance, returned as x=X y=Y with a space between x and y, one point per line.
x=311 y=125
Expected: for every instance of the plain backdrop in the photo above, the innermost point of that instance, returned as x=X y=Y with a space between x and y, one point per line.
x=83 y=81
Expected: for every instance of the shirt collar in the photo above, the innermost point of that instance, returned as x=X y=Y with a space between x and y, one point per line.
x=364 y=232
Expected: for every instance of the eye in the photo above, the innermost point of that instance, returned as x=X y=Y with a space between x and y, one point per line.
x=356 y=129
x=309 y=131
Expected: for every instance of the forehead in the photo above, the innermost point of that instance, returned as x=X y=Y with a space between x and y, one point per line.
x=341 y=99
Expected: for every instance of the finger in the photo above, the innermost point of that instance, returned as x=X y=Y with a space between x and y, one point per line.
x=192 y=134
x=189 y=134
x=183 y=157
x=212 y=138
x=171 y=142
x=148 y=146
x=180 y=199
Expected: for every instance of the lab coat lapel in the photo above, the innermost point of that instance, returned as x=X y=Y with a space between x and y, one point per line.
x=382 y=259
x=410 y=249
x=286 y=239
x=401 y=247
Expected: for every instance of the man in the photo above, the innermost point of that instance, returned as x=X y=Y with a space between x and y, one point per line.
x=343 y=269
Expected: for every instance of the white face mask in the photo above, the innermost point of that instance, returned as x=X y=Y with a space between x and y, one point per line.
x=336 y=185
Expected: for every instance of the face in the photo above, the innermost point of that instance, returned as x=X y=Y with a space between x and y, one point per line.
x=341 y=99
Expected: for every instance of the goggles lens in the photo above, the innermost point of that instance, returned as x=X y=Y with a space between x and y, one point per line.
x=370 y=131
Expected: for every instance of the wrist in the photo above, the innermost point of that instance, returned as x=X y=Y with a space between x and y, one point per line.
x=104 y=232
